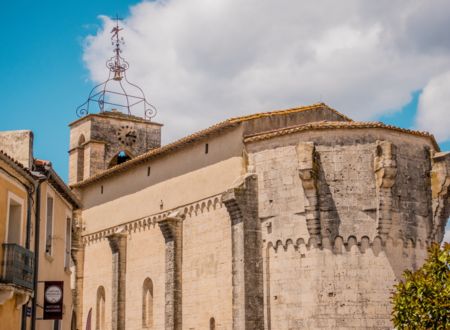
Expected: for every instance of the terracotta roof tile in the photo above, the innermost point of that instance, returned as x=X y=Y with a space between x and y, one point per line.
x=17 y=165
x=334 y=125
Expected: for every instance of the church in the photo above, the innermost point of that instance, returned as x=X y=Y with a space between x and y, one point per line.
x=292 y=219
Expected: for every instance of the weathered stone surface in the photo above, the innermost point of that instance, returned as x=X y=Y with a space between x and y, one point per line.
x=440 y=189
x=172 y=230
x=18 y=145
x=96 y=140
x=247 y=269
x=118 y=244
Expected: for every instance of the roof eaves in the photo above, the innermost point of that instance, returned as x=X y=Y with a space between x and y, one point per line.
x=334 y=125
x=153 y=153
x=17 y=166
x=58 y=183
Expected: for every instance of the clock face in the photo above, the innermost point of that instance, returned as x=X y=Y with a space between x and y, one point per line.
x=53 y=294
x=126 y=135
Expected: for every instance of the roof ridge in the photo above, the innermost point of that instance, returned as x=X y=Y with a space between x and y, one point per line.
x=287 y=111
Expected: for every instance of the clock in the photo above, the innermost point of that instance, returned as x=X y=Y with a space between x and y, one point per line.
x=53 y=294
x=126 y=135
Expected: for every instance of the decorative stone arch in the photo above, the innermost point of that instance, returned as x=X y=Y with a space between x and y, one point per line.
x=147 y=304
x=100 y=309
x=80 y=158
x=121 y=157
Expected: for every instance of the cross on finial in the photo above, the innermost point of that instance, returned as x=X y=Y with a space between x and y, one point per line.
x=118 y=65
x=115 y=31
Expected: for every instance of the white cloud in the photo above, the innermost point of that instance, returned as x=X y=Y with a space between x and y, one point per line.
x=200 y=61
x=434 y=107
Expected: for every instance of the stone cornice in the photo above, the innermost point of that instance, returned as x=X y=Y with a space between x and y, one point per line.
x=151 y=221
x=339 y=245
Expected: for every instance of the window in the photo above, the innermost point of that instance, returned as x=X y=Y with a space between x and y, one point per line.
x=68 y=243
x=147 y=304
x=100 y=311
x=15 y=214
x=49 y=226
x=212 y=324
x=80 y=159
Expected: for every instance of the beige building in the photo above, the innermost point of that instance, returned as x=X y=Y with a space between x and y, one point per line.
x=16 y=252
x=55 y=239
x=39 y=211
x=293 y=219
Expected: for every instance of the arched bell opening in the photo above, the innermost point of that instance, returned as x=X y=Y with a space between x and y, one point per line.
x=121 y=157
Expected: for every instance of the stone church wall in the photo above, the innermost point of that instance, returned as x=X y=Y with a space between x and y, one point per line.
x=207 y=287
x=342 y=277
x=345 y=286
x=98 y=258
x=145 y=259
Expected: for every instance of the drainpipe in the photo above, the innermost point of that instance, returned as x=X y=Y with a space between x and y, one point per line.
x=27 y=246
x=41 y=178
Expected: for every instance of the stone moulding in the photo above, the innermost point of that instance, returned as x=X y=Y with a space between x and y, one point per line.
x=385 y=168
x=308 y=172
x=440 y=192
x=340 y=246
x=150 y=221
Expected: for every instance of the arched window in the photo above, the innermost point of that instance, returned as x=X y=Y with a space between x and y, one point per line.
x=100 y=311
x=80 y=158
x=212 y=324
x=121 y=157
x=147 y=304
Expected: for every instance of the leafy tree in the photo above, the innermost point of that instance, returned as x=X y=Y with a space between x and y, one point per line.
x=422 y=300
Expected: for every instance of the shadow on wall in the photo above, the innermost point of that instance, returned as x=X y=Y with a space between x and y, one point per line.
x=329 y=217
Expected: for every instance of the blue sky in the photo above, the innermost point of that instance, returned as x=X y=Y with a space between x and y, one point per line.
x=44 y=77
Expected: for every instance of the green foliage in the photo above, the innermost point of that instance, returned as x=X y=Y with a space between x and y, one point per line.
x=422 y=300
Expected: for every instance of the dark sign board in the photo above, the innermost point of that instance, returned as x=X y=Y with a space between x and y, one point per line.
x=53 y=300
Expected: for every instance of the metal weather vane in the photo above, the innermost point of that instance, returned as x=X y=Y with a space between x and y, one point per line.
x=103 y=96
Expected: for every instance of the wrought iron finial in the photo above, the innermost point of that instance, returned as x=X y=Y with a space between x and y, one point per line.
x=120 y=98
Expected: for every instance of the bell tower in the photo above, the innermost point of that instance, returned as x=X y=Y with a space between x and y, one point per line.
x=100 y=141
x=114 y=135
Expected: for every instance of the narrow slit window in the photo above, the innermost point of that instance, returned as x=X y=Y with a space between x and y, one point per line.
x=206 y=148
